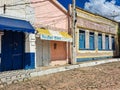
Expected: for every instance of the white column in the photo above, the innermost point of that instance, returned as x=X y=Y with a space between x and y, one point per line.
x=103 y=41
x=87 y=39
x=110 y=42
x=32 y=40
x=30 y=51
x=96 y=40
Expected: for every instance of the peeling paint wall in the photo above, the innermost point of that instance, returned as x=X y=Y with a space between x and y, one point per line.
x=24 y=11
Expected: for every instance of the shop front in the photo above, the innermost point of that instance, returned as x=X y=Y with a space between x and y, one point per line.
x=52 y=47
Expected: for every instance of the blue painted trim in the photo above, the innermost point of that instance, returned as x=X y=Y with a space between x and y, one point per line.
x=29 y=62
x=94 y=58
x=86 y=49
x=98 y=49
x=105 y=50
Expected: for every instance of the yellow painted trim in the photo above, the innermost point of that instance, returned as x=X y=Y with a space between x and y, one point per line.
x=94 y=21
x=94 y=29
x=86 y=51
x=82 y=28
x=104 y=21
x=94 y=15
x=44 y=31
x=65 y=34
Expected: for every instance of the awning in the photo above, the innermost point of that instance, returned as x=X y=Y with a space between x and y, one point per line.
x=54 y=35
x=15 y=25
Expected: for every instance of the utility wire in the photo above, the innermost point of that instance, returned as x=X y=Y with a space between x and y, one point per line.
x=51 y=16
x=23 y=3
x=11 y=8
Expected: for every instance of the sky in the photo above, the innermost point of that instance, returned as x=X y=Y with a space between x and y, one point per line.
x=107 y=8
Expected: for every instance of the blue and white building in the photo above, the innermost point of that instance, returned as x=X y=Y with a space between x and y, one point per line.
x=17 y=38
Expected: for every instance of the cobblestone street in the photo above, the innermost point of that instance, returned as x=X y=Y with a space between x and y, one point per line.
x=101 y=77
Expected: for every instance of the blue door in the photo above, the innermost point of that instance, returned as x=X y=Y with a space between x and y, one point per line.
x=6 y=55
x=12 y=51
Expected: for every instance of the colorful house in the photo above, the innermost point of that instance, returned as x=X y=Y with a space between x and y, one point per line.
x=52 y=39
x=22 y=47
x=17 y=39
x=96 y=36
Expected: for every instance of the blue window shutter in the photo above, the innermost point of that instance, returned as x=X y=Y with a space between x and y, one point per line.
x=99 y=41
x=91 y=41
x=82 y=39
x=106 y=42
x=113 y=43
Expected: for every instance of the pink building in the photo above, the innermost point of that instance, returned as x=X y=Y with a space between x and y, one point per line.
x=51 y=22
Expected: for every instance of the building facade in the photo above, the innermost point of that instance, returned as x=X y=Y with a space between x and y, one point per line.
x=48 y=43
x=51 y=22
x=96 y=37
x=17 y=38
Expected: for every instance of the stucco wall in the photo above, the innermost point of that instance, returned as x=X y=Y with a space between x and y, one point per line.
x=58 y=50
x=19 y=11
x=97 y=24
x=50 y=15
x=30 y=51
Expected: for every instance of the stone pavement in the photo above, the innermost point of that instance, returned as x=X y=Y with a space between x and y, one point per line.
x=16 y=76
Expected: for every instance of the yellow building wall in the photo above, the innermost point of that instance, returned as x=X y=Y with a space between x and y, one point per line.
x=97 y=24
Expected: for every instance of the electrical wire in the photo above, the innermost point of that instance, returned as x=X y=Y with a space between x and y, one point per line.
x=10 y=5
x=53 y=21
x=56 y=20
x=50 y=16
x=50 y=25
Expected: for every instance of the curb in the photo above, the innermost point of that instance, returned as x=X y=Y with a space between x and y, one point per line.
x=26 y=75
x=65 y=68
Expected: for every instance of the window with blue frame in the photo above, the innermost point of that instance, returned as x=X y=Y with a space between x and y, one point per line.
x=91 y=41
x=99 y=41
x=106 y=42
x=81 y=39
x=113 y=43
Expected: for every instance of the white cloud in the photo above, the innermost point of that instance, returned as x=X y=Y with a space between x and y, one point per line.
x=105 y=8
